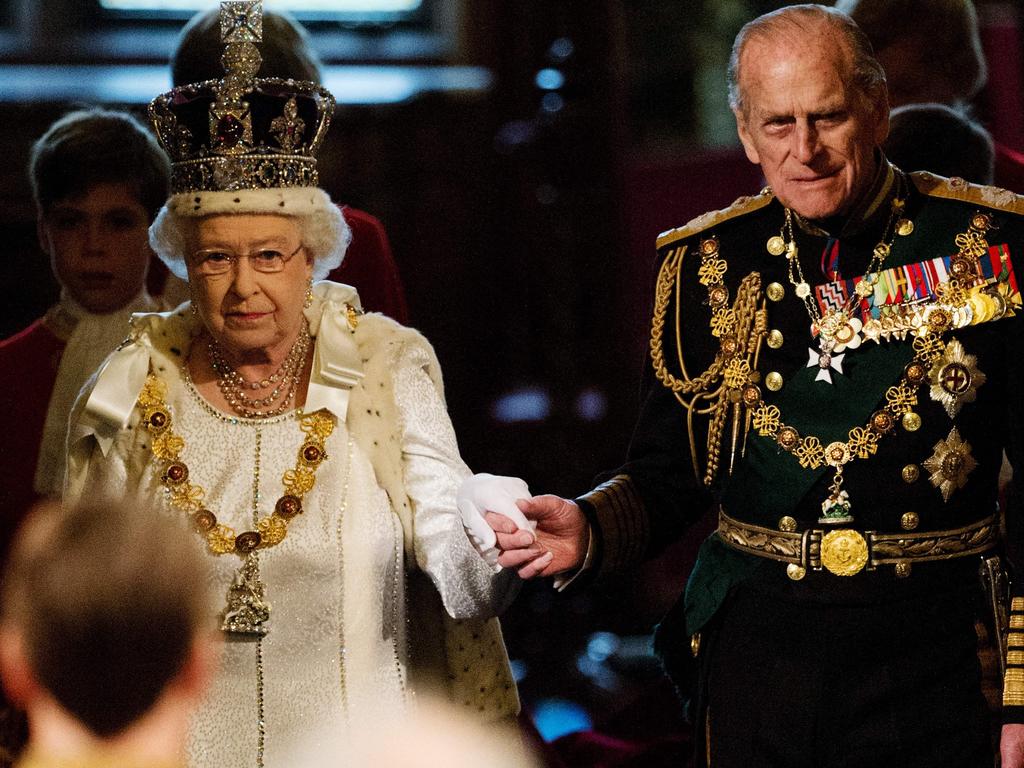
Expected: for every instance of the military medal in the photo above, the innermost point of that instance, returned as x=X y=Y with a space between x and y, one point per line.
x=836 y=508
x=837 y=329
x=825 y=361
x=950 y=464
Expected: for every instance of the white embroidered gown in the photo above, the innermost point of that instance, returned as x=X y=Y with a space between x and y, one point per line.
x=327 y=663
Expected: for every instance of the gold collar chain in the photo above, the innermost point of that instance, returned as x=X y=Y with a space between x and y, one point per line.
x=221 y=539
x=247 y=613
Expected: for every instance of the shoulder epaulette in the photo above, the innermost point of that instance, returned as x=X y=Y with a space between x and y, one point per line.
x=707 y=220
x=959 y=189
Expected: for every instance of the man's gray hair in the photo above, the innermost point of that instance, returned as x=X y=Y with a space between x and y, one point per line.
x=868 y=75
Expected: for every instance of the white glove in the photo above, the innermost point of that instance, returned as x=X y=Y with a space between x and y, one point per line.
x=490 y=493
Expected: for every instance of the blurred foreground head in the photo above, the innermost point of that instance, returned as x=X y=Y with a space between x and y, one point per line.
x=103 y=611
x=433 y=734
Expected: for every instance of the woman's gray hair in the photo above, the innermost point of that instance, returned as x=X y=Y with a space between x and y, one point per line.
x=868 y=75
x=325 y=233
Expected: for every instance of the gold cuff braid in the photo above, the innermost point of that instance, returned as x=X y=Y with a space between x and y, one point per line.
x=1013 y=682
x=622 y=520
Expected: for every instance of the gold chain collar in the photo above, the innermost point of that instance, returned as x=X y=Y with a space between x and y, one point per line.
x=167 y=445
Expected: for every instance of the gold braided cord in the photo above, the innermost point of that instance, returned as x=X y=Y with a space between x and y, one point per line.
x=739 y=329
x=744 y=312
x=715 y=429
x=668 y=276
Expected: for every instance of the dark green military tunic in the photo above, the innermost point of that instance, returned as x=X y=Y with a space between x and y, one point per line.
x=661 y=489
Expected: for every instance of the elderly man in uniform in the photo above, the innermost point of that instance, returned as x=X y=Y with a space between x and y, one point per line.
x=836 y=365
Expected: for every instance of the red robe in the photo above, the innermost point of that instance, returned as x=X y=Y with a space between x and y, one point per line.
x=29 y=360
x=370 y=267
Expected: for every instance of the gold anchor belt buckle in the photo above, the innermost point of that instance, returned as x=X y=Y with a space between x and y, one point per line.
x=844 y=552
x=847 y=552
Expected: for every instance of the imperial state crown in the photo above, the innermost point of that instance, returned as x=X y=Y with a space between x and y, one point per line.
x=242 y=131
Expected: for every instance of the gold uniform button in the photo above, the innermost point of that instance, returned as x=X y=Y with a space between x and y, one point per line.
x=775 y=291
x=902 y=569
x=909 y=521
x=910 y=473
x=773 y=381
x=795 y=572
x=911 y=421
x=787 y=524
x=904 y=227
x=775 y=338
x=776 y=245
x=695 y=644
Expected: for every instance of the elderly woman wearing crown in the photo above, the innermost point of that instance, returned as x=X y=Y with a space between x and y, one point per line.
x=305 y=443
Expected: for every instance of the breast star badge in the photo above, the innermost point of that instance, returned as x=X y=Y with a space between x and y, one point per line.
x=955 y=378
x=950 y=464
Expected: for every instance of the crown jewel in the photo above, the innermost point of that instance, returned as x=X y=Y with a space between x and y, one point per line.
x=242 y=132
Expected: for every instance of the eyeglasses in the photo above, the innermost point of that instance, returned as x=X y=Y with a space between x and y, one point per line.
x=214 y=261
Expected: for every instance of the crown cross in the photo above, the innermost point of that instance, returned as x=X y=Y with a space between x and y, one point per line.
x=241 y=25
x=241 y=21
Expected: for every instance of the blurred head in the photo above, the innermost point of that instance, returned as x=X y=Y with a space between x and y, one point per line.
x=103 y=607
x=930 y=49
x=435 y=734
x=98 y=178
x=940 y=139
x=810 y=106
x=286 y=49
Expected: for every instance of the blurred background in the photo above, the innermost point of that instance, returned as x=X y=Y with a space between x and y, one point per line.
x=522 y=155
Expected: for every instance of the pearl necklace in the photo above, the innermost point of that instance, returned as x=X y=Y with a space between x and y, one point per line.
x=284 y=381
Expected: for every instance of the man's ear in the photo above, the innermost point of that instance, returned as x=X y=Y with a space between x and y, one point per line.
x=745 y=138
x=15 y=671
